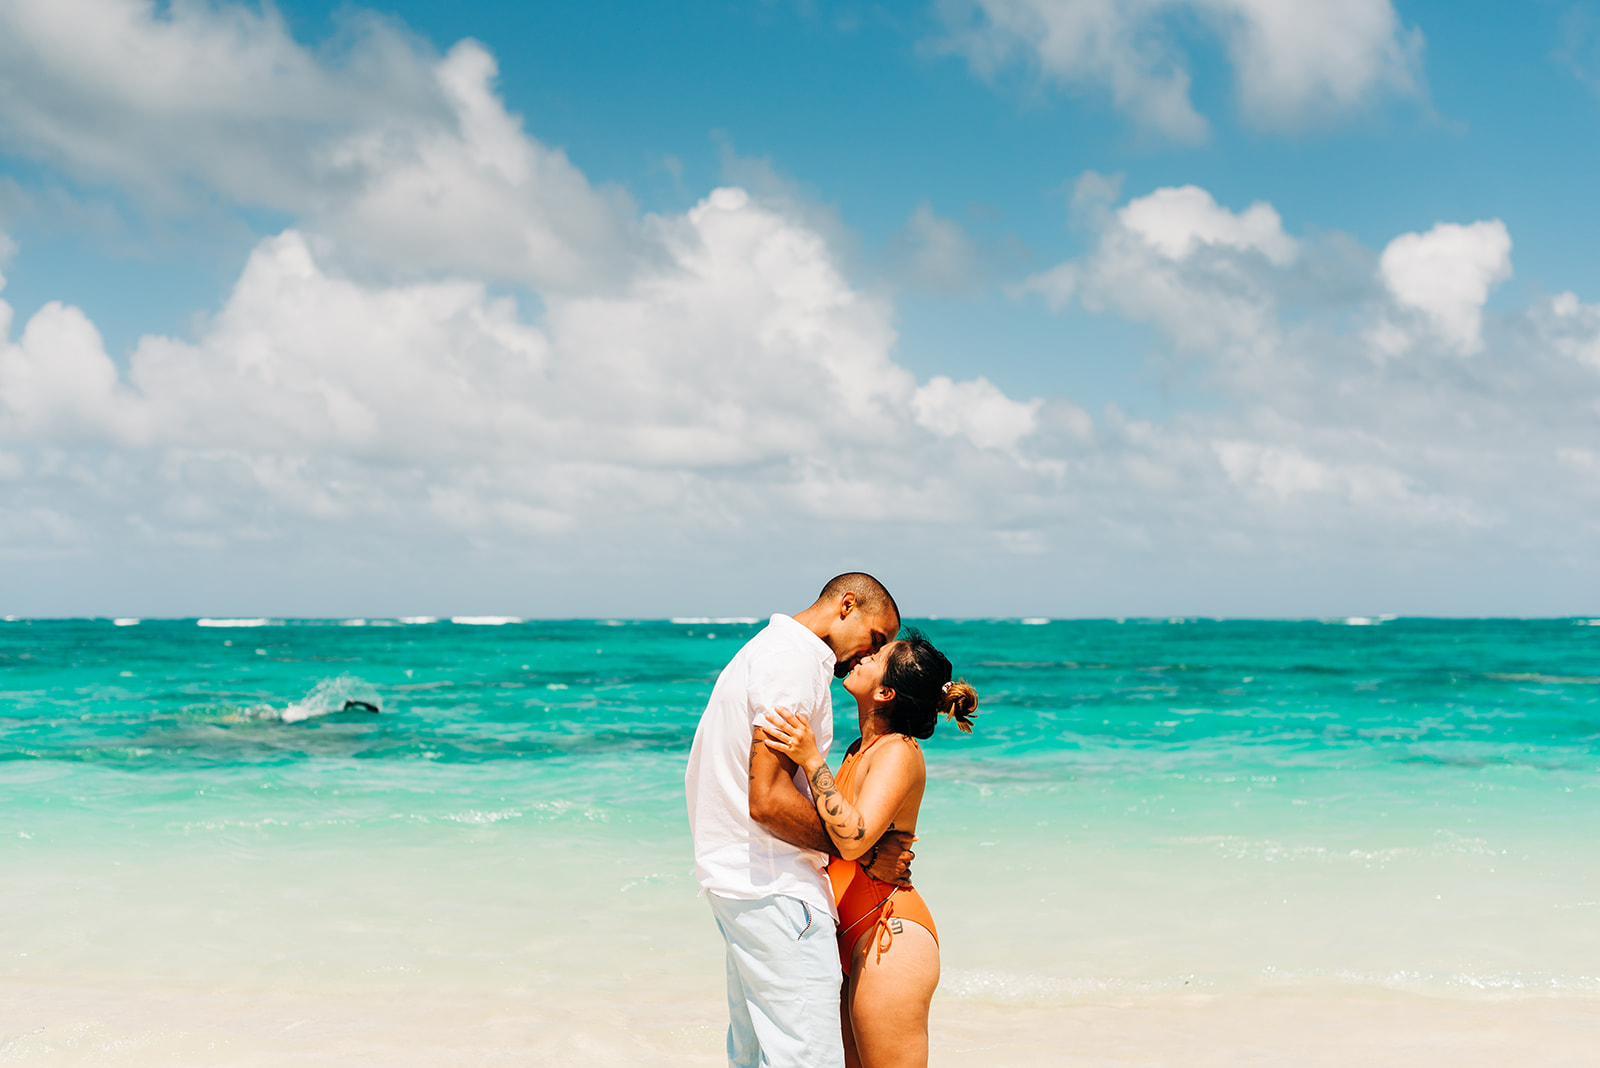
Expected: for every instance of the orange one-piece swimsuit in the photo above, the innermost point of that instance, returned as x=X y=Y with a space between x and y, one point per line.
x=866 y=903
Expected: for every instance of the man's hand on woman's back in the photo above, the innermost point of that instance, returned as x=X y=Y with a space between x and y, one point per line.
x=891 y=858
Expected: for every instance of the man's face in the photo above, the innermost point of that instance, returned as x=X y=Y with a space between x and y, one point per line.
x=859 y=634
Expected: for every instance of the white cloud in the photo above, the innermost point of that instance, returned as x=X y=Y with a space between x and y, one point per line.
x=741 y=400
x=56 y=382
x=685 y=377
x=1177 y=222
x=1446 y=274
x=1306 y=439
x=745 y=374
x=472 y=194
x=976 y=409
x=750 y=315
x=117 y=90
x=406 y=160
x=1284 y=473
x=1178 y=259
x=1089 y=43
x=1573 y=328
x=1294 y=61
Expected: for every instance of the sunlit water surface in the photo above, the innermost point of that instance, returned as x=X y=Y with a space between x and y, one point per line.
x=1146 y=808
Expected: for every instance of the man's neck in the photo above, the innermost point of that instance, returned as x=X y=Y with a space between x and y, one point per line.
x=818 y=619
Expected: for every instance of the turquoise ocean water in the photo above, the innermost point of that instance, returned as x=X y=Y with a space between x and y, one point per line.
x=1146 y=806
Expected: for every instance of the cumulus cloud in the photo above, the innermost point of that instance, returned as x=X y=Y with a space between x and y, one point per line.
x=745 y=371
x=1177 y=222
x=1293 y=61
x=1316 y=430
x=1178 y=259
x=56 y=382
x=685 y=375
x=744 y=392
x=406 y=159
x=976 y=409
x=744 y=380
x=1446 y=274
x=110 y=90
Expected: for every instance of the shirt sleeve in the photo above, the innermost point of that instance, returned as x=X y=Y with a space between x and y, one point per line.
x=784 y=681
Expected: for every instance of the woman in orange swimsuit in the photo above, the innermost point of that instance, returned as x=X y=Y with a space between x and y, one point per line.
x=887 y=942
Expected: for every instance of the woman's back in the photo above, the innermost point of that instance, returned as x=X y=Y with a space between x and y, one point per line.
x=893 y=756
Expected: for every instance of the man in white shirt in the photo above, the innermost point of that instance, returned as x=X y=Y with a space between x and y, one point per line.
x=760 y=851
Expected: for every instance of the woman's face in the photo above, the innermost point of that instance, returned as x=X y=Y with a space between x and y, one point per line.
x=866 y=677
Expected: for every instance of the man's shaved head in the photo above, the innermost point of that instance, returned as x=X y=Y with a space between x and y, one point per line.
x=855 y=616
x=871 y=595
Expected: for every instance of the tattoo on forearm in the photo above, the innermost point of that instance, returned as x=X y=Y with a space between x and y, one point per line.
x=846 y=827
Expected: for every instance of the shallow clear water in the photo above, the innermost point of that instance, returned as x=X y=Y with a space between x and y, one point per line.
x=1146 y=806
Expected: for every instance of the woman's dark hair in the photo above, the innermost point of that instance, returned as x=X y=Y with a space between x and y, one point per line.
x=919 y=675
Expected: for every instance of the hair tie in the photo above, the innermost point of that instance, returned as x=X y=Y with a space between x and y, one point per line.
x=945 y=688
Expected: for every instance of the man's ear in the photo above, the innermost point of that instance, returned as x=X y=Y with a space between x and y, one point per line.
x=847 y=604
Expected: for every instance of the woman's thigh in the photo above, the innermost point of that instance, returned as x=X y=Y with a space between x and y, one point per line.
x=890 y=994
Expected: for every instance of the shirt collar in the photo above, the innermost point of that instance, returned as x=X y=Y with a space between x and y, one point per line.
x=824 y=653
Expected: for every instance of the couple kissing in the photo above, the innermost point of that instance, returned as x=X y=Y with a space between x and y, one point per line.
x=832 y=955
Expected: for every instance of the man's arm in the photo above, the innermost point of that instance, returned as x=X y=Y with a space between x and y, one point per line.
x=778 y=805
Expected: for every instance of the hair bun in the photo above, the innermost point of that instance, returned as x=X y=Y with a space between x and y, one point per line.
x=959 y=701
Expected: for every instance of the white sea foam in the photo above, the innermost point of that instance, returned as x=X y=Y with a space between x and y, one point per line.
x=475 y=816
x=233 y=622
x=1504 y=982
x=353 y=623
x=419 y=619
x=125 y=621
x=330 y=695
x=724 y=620
x=1233 y=847
x=485 y=621
x=1035 y=621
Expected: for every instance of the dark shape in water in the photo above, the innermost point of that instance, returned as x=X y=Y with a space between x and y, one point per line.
x=359 y=706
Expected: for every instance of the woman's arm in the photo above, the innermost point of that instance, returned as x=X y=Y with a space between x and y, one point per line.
x=852 y=826
x=777 y=805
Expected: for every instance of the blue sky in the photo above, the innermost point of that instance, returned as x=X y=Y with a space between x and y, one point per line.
x=1018 y=389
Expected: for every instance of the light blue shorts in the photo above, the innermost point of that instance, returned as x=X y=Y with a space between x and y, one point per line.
x=783 y=983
